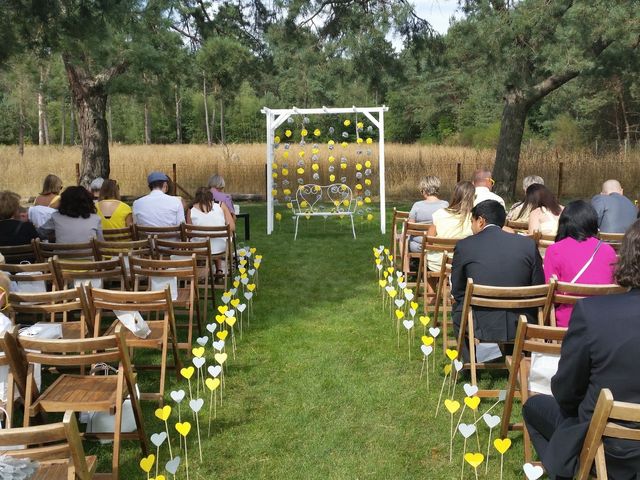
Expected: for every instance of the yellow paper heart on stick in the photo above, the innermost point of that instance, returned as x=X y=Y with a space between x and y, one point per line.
x=183 y=428
x=427 y=340
x=414 y=305
x=220 y=357
x=424 y=320
x=382 y=283
x=447 y=369
x=472 y=402
x=235 y=302
x=452 y=405
x=452 y=354
x=222 y=309
x=198 y=351
x=221 y=318
x=251 y=287
x=502 y=445
x=187 y=372
x=231 y=321
x=212 y=383
x=164 y=412
x=399 y=314
x=160 y=477
x=146 y=464
x=474 y=459
x=236 y=284
x=393 y=292
x=222 y=335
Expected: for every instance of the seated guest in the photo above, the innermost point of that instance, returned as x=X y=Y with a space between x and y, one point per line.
x=76 y=220
x=544 y=210
x=578 y=256
x=516 y=208
x=13 y=231
x=615 y=211
x=422 y=211
x=50 y=194
x=207 y=213
x=483 y=183
x=493 y=257
x=216 y=184
x=113 y=212
x=95 y=187
x=39 y=215
x=453 y=221
x=157 y=209
x=600 y=350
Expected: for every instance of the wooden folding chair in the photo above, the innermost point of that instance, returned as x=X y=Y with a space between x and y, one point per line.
x=66 y=306
x=613 y=239
x=530 y=338
x=431 y=244
x=604 y=424
x=397 y=225
x=565 y=293
x=97 y=273
x=163 y=329
x=443 y=300
x=79 y=392
x=67 y=251
x=170 y=250
x=57 y=447
x=18 y=253
x=135 y=248
x=8 y=403
x=406 y=256
x=32 y=272
x=186 y=273
x=499 y=298
x=198 y=233
x=172 y=232
x=518 y=226
x=544 y=241
x=125 y=234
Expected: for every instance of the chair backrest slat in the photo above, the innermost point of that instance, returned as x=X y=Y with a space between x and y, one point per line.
x=17 y=253
x=80 y=251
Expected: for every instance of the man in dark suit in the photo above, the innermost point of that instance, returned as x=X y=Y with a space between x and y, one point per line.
x=493 y=257
x=600 y=350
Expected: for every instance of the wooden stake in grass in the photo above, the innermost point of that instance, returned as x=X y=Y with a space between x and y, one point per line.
x=212 y=385
x=447 y=371
x=472 y=403
x=184 y=429
x=501 y=445
x=196 y=405
x=188 y=373
x=473 y=459
x=426 y=351
x=399 y=316
x=452 y=406
x=163 y=414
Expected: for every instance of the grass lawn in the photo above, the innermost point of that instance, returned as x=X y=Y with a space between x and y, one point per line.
x=319 y=388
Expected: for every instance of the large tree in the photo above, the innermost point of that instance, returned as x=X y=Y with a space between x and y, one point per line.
x=96 y=41
x=533 y=47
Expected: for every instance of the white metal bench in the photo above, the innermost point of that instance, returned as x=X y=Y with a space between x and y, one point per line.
x=335 y=200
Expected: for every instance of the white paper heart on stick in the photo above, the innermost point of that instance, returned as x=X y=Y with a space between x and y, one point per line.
x=233 y=291
x=434 y=331
x=379 y=267
x=214 y=371
x=158 y=438
x=457 y=364
x=229 y=313
x=426 y=350
x=198 y=362
x=408 y=296
x=219 y=345
x=470 y=390
x=244 y=281
x=172 y=465
x=408 y=324
x=251 y=271
x=398 y=274
x=466 y=430
x=196 y=404
x=532 y=472
x=399 y=302
x=177 y=395
x=241 y=308
x=412 y=312
x=492 y=421
x=402 y=285
x=225 y=299
x=211 y=327
x=248 y=295
x=202 y=341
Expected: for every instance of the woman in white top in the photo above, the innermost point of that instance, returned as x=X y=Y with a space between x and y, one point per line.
x=207 y=213
x=545 y=210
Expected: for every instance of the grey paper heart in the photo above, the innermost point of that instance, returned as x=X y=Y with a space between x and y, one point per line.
x=470 y=390
x=158 y=438
x=399 y=302
x=251 y=271
x=196 y=404
x=426 y=350
x=172 y=465
x=457 y=364
x=532 y=472
x=211 y=327
x=434 y=331
x=177 y=395
x=241 y=308
x=214 y=371
x=225 y=299
x=412 y=312
x=229 y=313
x=219 y=345
x=202 y=341
x=466 y=430
x=198 y=362
x=233 y=291
x=408 y=324
x=492 y=421
x=248 y=295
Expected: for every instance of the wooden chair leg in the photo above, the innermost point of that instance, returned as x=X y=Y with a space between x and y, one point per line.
x=117 y=426
x=472 y=350
x=163 y=362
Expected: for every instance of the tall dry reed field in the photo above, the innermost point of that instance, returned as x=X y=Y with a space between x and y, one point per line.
x=243 y=167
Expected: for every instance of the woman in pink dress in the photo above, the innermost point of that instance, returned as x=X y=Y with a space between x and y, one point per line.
x=578 y=256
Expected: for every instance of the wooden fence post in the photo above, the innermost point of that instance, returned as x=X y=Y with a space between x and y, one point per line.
x=174 y=171
x=560 y=175
x=458 y=172
x=77 y=174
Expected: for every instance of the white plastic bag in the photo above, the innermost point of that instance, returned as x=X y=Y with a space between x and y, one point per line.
x=160 y=283
x=543 y=367
x=134 y=322
x=88 y=282
x=28 y=286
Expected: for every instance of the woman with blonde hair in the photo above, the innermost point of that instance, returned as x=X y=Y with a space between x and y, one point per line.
x=113 y=212
x=422 y=211
x=50 y=194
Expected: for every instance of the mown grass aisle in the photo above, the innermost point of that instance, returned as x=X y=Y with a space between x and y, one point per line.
x=319 y=388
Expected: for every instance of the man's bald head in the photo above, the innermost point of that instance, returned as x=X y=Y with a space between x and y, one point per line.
x=611 y=186
x=482 y=178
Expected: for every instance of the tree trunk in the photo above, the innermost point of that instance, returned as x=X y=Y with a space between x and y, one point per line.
x=514 y=116
x=72 y=125
x=20 y=128
x=206 y=110
x=63 y=121
x=147 y=124
x=89 y=94
x=178 y=116
x=110 y=123
x=221 y=120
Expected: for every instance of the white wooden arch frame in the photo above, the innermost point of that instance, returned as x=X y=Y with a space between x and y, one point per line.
x=276 y=117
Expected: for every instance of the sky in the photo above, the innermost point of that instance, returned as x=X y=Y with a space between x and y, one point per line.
x=436 y=12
